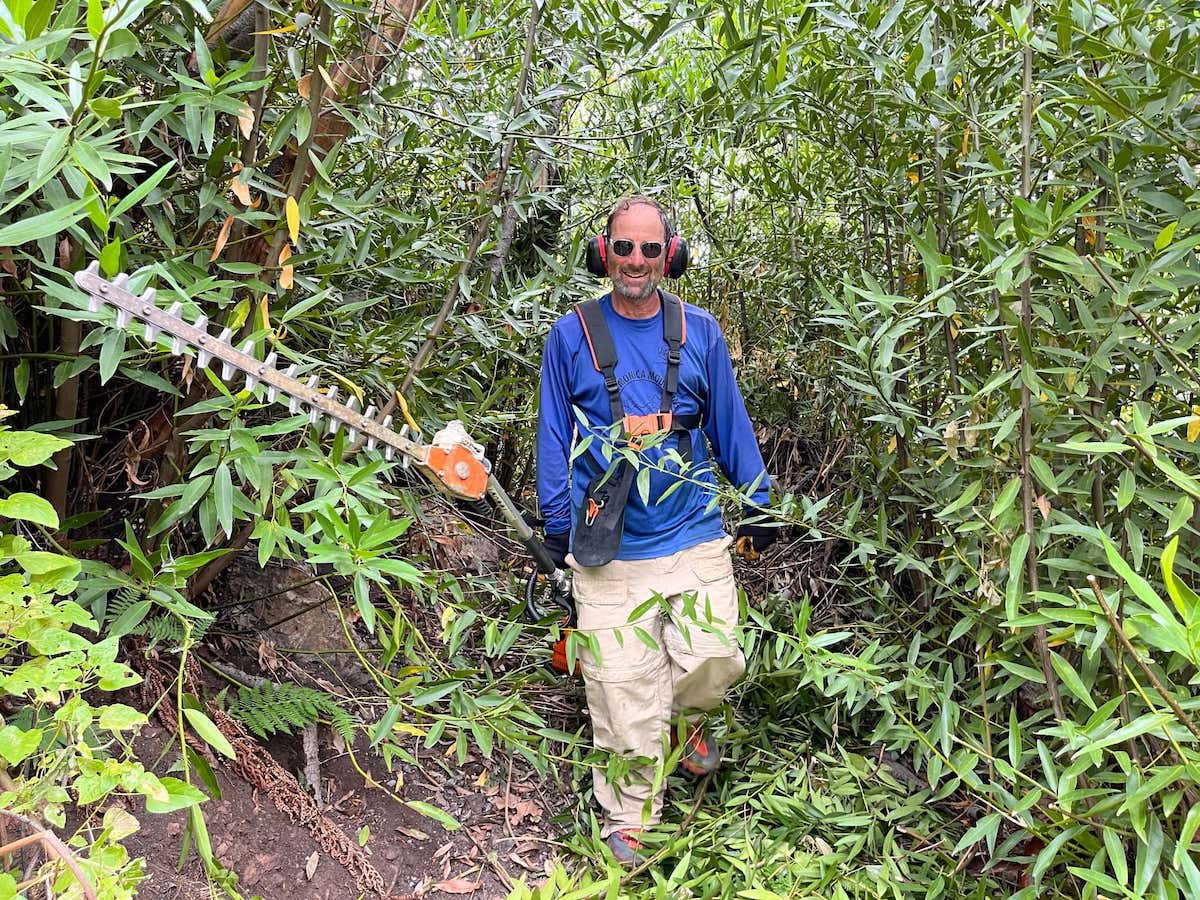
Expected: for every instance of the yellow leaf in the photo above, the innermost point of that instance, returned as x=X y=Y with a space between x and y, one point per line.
x=293 y=218
x=351 y=387
x=1193 y=431
x=265 y=313
x=222 y=237
x=325 y=76
x=246 y=121
x=482 y=779
x=282 y=29
x=892 y=444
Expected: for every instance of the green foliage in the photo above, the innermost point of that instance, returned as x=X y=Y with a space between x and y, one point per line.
x=848 y=176
x=284 y=708
x=56 y=746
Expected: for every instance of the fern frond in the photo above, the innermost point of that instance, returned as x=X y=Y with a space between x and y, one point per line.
x=287 y=708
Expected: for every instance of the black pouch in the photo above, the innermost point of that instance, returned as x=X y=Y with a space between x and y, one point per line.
x=601 y=523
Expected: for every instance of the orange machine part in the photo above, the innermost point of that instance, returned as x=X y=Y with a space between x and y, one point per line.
x=459 y=470
x=559 y=661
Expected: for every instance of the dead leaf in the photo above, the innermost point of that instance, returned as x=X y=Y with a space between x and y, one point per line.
x=1043 y=504
x=415 y=833
x=302 y=86
x=458 y=886
x=443 y=850
x=222 y=237
x=286 y=272
x=246 y=121
x=241 y=190
x=64 y=254
x=310 y=865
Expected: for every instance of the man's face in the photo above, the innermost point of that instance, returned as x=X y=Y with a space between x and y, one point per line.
x=634 y=277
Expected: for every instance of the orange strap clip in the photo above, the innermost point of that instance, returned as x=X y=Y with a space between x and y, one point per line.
x=641 y=426
x=593 y=510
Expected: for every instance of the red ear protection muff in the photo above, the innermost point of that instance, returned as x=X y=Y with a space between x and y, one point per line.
x=597 y=255
x=677 y=257
x=676 y=263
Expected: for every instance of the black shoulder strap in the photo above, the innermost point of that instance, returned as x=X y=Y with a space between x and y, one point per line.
x=604 y=352
x=674 y=331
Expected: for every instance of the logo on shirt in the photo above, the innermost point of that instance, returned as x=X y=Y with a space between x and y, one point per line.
x=641 y=391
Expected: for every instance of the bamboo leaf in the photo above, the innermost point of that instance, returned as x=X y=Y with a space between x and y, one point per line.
x=293 y=219
x=209 y=732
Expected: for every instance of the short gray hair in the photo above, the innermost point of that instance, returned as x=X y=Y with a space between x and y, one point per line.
x=626 y=203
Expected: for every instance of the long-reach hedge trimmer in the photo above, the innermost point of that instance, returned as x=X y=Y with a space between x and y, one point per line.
x=451 y=461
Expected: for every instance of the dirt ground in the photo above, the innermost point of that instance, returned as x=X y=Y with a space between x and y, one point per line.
x=505 y=835
x=505 y=807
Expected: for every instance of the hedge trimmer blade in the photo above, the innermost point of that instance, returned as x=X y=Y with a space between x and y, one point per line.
x=452 y=460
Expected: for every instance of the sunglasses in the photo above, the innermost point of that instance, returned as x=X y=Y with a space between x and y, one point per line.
x=650 y=249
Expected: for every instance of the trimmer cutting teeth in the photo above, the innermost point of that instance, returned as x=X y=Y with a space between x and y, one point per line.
x=452 y=461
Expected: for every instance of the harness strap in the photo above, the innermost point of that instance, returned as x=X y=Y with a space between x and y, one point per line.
x=673 y=334
x=604 y=352
x=604 y=358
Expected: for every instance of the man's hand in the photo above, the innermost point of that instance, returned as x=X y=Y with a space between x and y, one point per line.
x=557 y=545
x=752 y=540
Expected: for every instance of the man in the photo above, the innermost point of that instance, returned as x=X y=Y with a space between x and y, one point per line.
x=679 y=657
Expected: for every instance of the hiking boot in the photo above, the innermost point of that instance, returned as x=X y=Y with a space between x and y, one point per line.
x=701 y=755
x=625 y=846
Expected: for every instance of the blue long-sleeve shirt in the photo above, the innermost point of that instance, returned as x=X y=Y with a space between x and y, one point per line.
x=685 y=517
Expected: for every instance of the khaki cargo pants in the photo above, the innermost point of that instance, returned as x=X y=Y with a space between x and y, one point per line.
x=633 y=689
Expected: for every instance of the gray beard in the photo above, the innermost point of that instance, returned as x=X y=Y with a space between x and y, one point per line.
x=642 y=293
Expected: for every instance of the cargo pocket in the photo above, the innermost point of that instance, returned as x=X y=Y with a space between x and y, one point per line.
x=704 y=616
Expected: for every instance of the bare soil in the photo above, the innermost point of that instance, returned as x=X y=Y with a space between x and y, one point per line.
x=504 y=807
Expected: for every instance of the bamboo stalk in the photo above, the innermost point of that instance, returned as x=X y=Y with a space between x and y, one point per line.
x=485 y=220
x=1027 y=499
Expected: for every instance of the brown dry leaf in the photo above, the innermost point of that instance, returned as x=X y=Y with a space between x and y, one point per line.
x=522 y=862
x=310 y=865
x=458 y=886
x=443 y=850
x=6 y=262
x=526 y=809
x=241 y=190
x=415 y=833
x=268 y=658
x=302 y=86
x=64 y=254
x=1043 y=504
x=246 y=121
x=222 y=237
x=286 y=272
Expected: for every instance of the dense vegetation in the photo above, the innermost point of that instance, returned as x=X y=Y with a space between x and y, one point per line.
x=953 y=248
